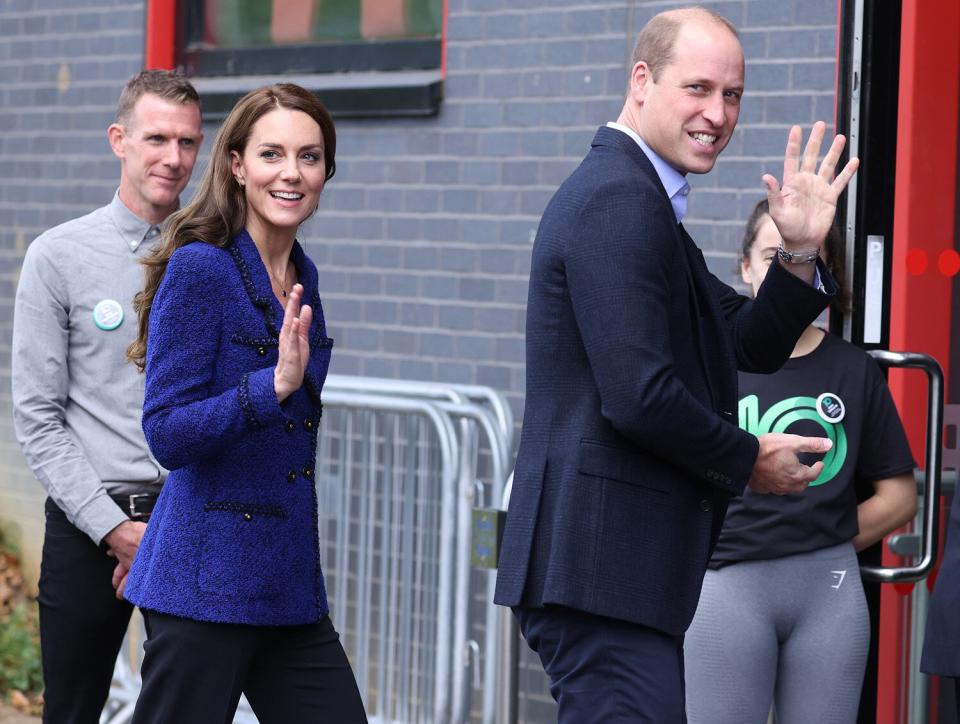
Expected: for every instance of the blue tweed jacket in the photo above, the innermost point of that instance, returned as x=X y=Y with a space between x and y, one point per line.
x=233 y=537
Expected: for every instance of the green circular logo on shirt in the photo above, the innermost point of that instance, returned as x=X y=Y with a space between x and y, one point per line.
x=108 y=314
x=786 y=412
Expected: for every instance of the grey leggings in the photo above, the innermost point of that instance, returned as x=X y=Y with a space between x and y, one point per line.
x=793 y=631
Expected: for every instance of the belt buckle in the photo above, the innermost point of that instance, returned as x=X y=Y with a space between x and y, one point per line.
x=132 y=505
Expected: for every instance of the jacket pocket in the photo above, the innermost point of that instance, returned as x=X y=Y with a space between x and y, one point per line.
x=615 y=463
x=242 y=553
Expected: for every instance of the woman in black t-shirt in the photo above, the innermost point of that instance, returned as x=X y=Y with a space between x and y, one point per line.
x=782 y=618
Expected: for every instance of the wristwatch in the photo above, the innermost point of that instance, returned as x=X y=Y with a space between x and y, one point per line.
x=797 y=257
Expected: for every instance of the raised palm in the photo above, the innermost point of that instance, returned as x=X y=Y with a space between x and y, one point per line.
x=803 y=208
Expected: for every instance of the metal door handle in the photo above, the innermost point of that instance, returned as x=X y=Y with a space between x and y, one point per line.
x=930 y=521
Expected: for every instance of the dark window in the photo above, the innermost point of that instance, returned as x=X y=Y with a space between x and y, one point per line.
x=362 y=57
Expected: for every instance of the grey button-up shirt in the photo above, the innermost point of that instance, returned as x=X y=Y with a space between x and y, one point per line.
x=77 y=401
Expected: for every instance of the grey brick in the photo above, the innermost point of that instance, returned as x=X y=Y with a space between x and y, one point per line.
x=504 y=26
x=495 y=319
x=440 y=229
x=767 y=77
x=534 y=202
x=385 y=199
x=364 y=283
x=403 y=228
x=815 y=12
x=499 y=202
x=418 y=314
x=520 y=173
x=462 y=85
x=344 y=363
x=713 y=204
x=342 y=310
x=456 y=317
x=481 y=231
x=491 y=376
x=564 y=52
x=439 y=286
x=357 y=171
x=400 y=285
x=479 y=290
x=499 y=143
x=511 y=349
x=545 y=23
x=474 y=347
x=814 y=76
x=541 y=83
x=366 y=228
x=458 y=260
x=464 y=27
x=379 y=367
x=455 y=372
x=498 y=261
x=502 y=85
x=789 y=109
x=420 y=257
x=511 y=291
x=481 y=173
x=415 y=369
x=404 y=172
x=422 y=200
x=776 y=14
x=381 y=312
x=484 y=114
x=459 y=144
x=435 y=345
x=523 y=114
x=347 y=255
x=460 y=200
x=441 y=172
x=542 y=143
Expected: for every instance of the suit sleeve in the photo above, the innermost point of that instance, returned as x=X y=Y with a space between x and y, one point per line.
x=184 y=420
x=621 y=269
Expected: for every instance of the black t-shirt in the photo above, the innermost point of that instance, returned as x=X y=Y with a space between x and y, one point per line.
x=836 y=391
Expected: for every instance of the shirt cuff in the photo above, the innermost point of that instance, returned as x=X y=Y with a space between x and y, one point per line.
x=99 y=517
x=817 y=283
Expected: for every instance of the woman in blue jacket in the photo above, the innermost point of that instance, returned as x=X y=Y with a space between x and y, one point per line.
x=235 y=349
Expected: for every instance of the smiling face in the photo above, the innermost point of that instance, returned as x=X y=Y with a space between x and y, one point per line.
x=157 y=148
x=688 y=114
x=282 y=172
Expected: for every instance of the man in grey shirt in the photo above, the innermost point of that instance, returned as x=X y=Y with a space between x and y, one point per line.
x=77 y=402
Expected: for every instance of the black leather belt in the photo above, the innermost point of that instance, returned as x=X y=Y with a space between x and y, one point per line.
x=138 y=507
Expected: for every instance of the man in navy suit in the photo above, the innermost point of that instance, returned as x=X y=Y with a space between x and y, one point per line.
x=630 y=447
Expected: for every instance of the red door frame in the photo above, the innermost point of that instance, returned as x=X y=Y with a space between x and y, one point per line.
x=923 y=228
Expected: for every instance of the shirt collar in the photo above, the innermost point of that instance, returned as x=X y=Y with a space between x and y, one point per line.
x=673 y=181
x=132 y=229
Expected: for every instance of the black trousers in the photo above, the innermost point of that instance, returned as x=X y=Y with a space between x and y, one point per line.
x=81 y=622
x=605 y=671
x=194 y=672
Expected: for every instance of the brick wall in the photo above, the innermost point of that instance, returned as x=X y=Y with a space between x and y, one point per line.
x=423 y=237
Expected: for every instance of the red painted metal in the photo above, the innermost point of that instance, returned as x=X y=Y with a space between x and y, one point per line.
x=161 y=34
x=924 y=211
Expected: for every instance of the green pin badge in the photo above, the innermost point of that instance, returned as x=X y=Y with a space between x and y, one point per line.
x=108 y=314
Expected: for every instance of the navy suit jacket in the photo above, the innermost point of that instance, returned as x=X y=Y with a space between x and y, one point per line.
x=630 y=447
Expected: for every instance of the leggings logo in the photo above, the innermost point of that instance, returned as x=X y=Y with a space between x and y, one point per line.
x=786 y=412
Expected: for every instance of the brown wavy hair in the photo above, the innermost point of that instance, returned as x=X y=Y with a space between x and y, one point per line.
x=218 y=211
x=832 y=246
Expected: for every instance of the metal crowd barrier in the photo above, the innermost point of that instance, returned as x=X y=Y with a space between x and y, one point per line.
x=400 y=466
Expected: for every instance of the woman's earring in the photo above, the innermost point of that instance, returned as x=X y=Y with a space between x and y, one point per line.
x=240 y=181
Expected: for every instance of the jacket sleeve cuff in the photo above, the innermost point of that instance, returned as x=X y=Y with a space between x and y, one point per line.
x=258 y=398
